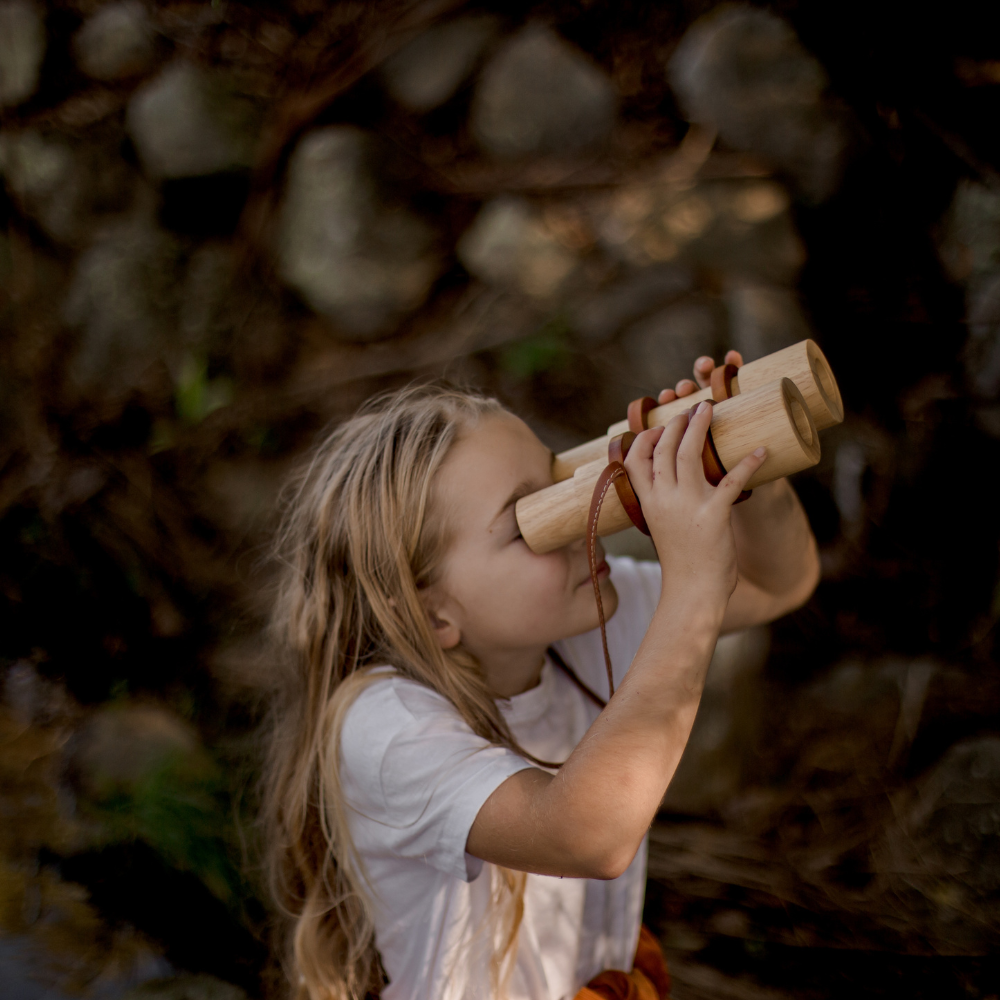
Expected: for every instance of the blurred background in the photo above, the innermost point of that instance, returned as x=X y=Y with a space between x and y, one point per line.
x=225 y=224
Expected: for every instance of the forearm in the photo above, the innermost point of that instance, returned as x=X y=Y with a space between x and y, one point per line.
x=589 y=819
x=775 y=548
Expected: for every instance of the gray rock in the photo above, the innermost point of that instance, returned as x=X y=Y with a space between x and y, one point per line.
x=763 y=318
x=188 y=121
x=662 y=348
x=743 y=227
x=41 y=174
x=970 y=244
x=509 y=245
x=970 y=251
x=116 y=42
x=540 y=95
x=982 y=356
x=207 y=307
x=122 y=297
x=427 y=71
x=122 y=745
x=636 y=293
x=63 y=184
x=22 y=48
x=352 y=257
x=742 y=71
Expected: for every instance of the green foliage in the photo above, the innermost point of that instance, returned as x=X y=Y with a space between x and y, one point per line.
x=196 y=395
x=179 y=808
x=546 y=350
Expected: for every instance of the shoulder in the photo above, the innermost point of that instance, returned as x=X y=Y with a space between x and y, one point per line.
x=389 y=709
x=414 y=775
x=399 y=737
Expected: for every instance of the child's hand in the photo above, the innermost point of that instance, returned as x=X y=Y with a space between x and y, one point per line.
x=688 y=518
x=703 y=369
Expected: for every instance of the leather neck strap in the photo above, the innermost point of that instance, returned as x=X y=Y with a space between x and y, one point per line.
x=614 y=474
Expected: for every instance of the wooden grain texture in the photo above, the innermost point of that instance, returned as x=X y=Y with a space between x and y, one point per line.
x=557 y=515
x=775 y=416
x=660 y=416
x=804 y=363
x=567 y=462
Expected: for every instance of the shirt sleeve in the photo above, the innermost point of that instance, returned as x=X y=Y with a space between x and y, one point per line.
x=414 y=776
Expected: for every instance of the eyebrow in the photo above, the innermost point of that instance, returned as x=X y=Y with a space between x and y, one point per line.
x=522 y=489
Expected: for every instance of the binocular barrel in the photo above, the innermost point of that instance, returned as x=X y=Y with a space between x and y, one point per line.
x=804 y=363
x=776 y=414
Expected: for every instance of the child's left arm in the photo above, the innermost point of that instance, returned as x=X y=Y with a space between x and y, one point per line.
x=776 y=557
x=775 y=548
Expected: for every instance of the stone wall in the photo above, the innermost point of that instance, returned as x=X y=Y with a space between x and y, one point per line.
x=225 y=225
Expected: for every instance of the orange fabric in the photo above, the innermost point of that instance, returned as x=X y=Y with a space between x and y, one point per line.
x=648 y=980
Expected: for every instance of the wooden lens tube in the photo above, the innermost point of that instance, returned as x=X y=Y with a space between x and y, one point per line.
x=775 y=415
x=804 y=363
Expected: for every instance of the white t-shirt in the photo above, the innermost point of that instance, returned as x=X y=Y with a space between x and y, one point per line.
x=414 y=777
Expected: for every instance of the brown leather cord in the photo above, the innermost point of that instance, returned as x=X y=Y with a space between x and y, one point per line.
x=574 y=677
x=612 y=471
x=722 y=382
x=715 y=471
x=638 y=413
x=618 y=448
x=554 y=656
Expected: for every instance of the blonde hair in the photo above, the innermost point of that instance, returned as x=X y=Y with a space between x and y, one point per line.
x=360 y=539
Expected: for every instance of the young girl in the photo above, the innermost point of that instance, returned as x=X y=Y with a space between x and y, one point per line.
x=422 y=846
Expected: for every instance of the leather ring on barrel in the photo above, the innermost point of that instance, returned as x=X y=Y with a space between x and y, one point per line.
x=638 y=413
x=715 y=471
x=722 y=382
x=618 y=448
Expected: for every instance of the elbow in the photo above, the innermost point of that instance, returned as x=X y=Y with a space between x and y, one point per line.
x=613 y=866
x=607 y=861
x=797 y=595
x=809 y=580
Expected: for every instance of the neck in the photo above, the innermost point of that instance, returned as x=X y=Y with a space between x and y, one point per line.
x=513 y=671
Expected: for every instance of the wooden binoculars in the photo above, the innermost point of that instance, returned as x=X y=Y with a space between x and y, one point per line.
x=781 y=401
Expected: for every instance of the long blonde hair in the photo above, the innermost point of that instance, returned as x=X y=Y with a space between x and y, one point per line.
x=359 y=540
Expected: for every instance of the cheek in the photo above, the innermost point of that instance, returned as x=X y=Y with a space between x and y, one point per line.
x=520 y=596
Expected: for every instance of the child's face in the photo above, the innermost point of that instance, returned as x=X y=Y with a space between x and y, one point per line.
x=496 y=595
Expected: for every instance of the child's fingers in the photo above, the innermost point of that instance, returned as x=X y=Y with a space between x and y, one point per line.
x=666 y=396
x=735 y=481
x=639 y=460
x=733 y=358
x=703 y=367
x=689 y=463
x=665 y=453
x=685 y=387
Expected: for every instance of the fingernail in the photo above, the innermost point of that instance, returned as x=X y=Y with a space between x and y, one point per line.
x=702 y=406
x=759 y=452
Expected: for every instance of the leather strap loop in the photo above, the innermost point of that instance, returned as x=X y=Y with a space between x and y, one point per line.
x=555 y=657
x=722 y=382
x=715 y=471
x=618 y=448
x=638 y=413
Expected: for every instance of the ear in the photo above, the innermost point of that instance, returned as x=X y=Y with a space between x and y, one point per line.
x=448 y=633
x=445 y=628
